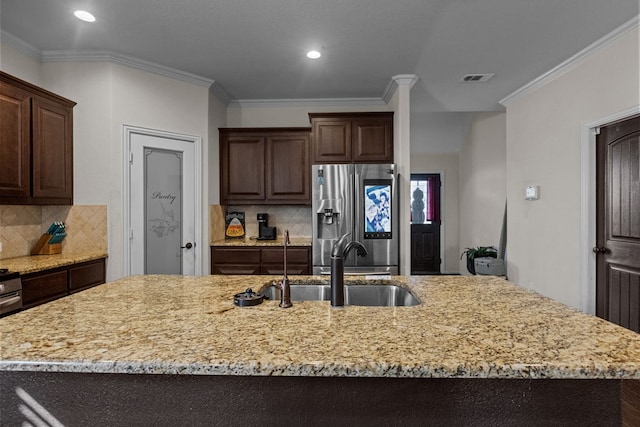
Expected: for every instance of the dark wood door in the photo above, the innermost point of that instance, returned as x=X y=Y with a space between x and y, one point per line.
x=288 y=167
x=425 y=224
x=618 y=224
x=52 y=152
x=242 y=167
x=425 y=248
x=373 y=139
x=15 y=141
x=331 y=140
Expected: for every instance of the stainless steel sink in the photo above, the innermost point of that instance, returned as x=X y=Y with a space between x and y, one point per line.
x=363 y=295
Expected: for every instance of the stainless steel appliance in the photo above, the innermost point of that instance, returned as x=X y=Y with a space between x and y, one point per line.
x=10 y=292
x=361 y=199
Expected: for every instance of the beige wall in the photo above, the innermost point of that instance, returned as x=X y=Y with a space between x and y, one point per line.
x=543 y=148
x=447 y=166
x=271 y=115
x=110 y=96
x=20 y=65
x=482 y=186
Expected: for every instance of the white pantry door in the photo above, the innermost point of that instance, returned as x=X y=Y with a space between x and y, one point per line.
x=162 y=191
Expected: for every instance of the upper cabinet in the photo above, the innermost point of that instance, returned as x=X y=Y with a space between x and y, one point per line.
x=36 y=145
x=265 y=166
x=352 y=137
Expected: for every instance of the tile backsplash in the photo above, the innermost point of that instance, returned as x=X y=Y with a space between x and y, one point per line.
x=297 y=219
x=21 y=226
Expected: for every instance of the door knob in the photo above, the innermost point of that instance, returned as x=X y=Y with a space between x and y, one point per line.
x=188 y=245
x=599 y=250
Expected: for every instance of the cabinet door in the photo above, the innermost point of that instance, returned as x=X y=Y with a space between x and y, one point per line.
x=242 y=174
x=86 y=275
x=42 y=287
x=15 y=139
x=372 y=140
x=235 y=260
x=288 y=168
x=52 y=152
x=298 y=260
x=331 y=141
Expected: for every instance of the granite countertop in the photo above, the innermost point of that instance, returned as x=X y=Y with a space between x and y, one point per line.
x=466 y=327
x=35 y=263
x=293 y=241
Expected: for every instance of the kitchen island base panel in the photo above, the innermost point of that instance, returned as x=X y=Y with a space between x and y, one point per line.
x=135 y=399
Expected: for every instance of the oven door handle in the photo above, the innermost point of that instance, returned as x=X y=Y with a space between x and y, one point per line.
x=8 y=300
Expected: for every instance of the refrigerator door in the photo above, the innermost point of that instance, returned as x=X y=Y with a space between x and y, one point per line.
x=332 y=210
x=376 y=219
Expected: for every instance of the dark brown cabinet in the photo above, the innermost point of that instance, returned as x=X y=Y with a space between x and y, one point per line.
x=36 y=144
x=48 y=285
x=260 y=260
x=265 y=166
x=38 y=288
x=298 y=260
x=225 y=260
x=352 y=137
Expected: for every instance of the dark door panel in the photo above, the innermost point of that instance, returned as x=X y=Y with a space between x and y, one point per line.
x=425 y=248
x=618 y=224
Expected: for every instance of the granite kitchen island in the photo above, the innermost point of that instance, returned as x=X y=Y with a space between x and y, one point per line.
x=167 y=350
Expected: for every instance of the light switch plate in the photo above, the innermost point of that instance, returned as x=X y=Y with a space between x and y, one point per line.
x=532 y=192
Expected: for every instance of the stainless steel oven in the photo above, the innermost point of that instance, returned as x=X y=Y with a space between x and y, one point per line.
x=10 y=292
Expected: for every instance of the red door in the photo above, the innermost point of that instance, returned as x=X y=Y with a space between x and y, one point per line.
x=618 y=224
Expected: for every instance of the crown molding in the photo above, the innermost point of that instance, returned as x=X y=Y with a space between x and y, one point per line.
x=398 y=80
x=129 y=61
x=20 y=45
x=306 y=102
x=218 y=91
x=214 y=87
x=572 y=62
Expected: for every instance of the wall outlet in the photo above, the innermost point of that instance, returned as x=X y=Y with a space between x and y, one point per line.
x=0 y=246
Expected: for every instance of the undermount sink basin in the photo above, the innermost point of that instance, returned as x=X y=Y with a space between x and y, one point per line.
x=363 y=295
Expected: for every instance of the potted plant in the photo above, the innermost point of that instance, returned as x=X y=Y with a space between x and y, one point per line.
x=478 y=252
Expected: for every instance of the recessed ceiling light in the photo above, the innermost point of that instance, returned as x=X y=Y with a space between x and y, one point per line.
x=313 y=54
x=84 y=16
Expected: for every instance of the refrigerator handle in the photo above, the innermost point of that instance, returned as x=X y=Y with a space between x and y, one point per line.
x=356 y=233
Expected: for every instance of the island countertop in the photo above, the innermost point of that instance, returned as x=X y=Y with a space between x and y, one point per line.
x=465 y=327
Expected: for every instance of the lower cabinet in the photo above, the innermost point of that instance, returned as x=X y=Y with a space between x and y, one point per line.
x=260 y=260
x=48 y=285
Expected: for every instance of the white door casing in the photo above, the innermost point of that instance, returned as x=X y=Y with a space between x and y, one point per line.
x=188 y=229
x=588 y=206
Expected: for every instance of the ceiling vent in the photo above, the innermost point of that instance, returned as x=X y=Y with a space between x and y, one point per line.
x=476 y=78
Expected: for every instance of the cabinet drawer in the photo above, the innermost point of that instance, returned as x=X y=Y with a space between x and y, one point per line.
x=294 y=255
x=44 y=287
x=86 y=275
x=235 y=256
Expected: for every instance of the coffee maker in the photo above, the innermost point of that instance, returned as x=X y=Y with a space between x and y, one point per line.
x=264 y=231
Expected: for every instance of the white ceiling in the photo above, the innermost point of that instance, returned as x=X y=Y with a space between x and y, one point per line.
x=254 y=49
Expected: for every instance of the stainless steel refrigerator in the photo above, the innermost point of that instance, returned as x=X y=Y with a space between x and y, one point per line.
x=360 y=199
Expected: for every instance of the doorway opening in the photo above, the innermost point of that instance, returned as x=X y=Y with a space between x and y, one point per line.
x=425 y=224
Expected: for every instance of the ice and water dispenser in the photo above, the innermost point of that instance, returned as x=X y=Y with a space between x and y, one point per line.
x=328 y=222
